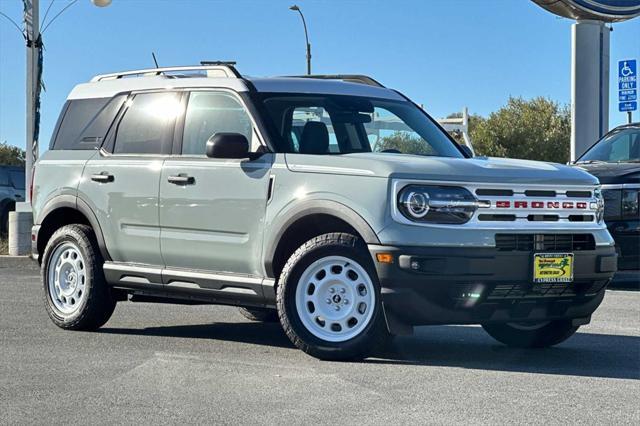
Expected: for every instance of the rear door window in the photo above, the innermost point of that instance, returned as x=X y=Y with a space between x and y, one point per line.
x=147 y=124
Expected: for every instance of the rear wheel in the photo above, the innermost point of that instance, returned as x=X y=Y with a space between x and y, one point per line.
x=329 y=299
x=76 y=294
x=531 y=335
x=259 y=314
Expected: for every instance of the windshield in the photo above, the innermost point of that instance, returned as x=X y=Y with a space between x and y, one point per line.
x=619 y=146
x=338 y=124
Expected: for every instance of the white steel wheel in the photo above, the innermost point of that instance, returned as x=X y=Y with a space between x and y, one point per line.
x=67 y=278
x=335 y=298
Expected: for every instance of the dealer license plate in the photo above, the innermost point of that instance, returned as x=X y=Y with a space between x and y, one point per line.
x=553 y=267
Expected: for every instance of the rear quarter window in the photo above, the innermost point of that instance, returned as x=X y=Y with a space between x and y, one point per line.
x=85 y=123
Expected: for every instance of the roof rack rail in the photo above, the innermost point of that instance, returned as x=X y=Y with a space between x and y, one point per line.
x=352 y=78
x=213 y=69
x=229 y=63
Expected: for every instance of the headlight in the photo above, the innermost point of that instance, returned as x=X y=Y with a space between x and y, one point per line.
x=599 y=205
x=630 y=201
x=436 y=204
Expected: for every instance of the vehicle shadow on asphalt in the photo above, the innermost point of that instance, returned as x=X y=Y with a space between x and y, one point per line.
x=267 y=334
x=584 y=354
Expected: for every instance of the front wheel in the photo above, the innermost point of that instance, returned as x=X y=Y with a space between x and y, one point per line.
x=329 y=299
x=536 y=335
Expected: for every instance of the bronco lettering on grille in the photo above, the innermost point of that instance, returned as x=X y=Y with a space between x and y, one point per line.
x=541 y=205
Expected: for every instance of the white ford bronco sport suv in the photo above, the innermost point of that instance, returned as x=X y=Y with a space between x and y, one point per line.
x=330 y=203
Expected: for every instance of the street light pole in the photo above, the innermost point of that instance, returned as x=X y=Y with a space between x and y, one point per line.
x=306 y=36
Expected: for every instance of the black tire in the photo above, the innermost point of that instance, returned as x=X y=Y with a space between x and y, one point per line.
x=259 y=314
x=529 y=336
x=4 y=219
x=96 y=307
x=372 y=336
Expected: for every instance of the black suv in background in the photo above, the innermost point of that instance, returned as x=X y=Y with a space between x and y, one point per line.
x=11 y=192
x=615 y=160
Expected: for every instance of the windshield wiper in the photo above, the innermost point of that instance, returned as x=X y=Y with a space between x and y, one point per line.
x=590 y=162
x=635 y=160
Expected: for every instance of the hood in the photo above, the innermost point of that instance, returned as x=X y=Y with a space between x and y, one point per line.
x=479 y=169
x=613 y=173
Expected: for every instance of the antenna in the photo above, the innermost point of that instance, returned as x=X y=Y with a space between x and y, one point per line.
x=155 y=60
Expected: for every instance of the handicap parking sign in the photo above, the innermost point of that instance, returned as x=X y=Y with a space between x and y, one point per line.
x=627 y=85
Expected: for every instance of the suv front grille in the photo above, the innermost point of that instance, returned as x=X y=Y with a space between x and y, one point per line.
x=612 y=204
x=541 y=204
x=545 y=242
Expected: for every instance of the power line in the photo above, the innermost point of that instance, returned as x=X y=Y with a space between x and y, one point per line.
x=58 y=14
x=47 y=12
x=14 y=23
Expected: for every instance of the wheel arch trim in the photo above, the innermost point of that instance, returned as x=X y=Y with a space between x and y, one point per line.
x=75 y=203
x=310 y=208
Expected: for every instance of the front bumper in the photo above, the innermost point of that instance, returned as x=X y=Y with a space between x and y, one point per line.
x=451 y=285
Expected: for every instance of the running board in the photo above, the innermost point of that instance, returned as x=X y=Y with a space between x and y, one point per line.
x=210 y=287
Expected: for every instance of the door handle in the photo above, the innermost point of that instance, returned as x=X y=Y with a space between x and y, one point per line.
x=181 y=179
x=103 y=177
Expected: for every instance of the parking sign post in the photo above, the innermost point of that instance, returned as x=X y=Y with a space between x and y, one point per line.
x=628 y=87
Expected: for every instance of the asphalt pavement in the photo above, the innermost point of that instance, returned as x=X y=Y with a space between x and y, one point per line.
x=165 y=364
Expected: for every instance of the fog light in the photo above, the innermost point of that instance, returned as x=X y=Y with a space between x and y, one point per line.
x=470 y=295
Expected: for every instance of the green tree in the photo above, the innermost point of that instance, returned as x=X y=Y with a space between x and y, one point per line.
x=536 y=129
x=403 y=142
x=11 y=155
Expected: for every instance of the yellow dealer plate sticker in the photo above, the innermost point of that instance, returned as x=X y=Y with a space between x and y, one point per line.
x=553 y=267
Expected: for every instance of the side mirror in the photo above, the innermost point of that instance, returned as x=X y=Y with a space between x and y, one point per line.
x=228 y=145
x=466 y=150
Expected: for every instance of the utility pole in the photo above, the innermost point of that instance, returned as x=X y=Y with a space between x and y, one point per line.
x=34 y=44
x=21 y=220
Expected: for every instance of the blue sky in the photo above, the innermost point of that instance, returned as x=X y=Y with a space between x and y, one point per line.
x=444 y=54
